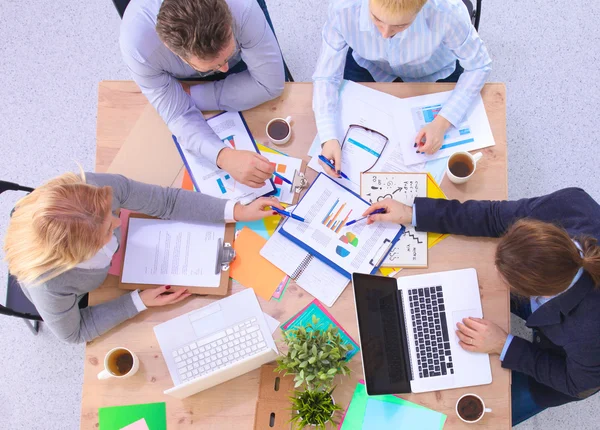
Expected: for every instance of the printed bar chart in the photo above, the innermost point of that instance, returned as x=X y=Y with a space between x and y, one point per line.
x=334 y=222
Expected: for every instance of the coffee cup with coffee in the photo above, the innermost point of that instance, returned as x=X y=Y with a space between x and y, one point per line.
x=461 y=166
x=470 y=408
x=279 y=130
x=119 y=363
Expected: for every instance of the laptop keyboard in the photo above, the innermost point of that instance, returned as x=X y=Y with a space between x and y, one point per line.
x=430 y=330
x=210 y=353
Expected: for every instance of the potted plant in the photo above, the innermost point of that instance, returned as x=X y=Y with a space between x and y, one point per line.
x=313 y=408
x=314 y=356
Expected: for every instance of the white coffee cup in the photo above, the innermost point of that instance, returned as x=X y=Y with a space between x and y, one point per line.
x=482 y=405
x=280 y=139
x=470 y=162
x=110 y=364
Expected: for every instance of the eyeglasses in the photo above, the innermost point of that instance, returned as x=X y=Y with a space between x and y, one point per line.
x=215 y=69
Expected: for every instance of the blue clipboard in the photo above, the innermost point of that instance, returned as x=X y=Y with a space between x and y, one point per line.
x=180 y=150
x=320 y=256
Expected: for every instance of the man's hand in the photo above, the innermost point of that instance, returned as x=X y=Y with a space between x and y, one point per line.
x=246 y=167
x=333 y=152
x=161 y=296
x=479 y=335
x=430 y=138
x=258 y=209
x=395 y=212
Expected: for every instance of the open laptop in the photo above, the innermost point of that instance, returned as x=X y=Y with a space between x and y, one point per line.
x=216 y=343
x=407 y=332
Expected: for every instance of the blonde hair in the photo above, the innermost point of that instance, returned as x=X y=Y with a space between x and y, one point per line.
x=56 y=227
x=400 y=7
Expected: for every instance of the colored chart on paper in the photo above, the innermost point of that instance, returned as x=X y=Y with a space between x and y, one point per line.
x=349 y=239
x=336 y=218
x=230 y=140
x=456 y=136
x=226 y=184
x=286 y=167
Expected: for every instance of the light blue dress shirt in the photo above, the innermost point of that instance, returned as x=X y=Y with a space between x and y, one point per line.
x=156 y=69
x=425 y=52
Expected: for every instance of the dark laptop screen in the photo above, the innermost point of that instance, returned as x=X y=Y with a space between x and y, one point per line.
x=382 y=335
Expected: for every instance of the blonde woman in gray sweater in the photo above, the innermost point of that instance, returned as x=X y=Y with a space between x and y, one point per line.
x=62 y=236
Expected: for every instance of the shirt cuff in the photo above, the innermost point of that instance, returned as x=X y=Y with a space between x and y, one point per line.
x=509 y=339
x=137 y=301
x=228 y=216
x=414 y=217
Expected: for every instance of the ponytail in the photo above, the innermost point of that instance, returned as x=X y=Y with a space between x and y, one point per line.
x=591 y=257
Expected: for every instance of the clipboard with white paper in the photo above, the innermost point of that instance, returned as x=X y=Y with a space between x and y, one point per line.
x=210 y=179
x=181 y=254
x=327 y=207
x=411 y=249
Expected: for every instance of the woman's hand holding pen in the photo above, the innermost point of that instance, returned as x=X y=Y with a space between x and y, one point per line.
x=395 y=212
x=258 y=209
x=430 y=138
x=332 y=151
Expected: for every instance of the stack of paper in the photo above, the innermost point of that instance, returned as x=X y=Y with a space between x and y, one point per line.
x=387 y=413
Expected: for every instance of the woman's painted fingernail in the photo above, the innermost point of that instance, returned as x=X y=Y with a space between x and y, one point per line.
x=417 y=152
x=338 y=172
x=168 y=287
x=415 y=145
x=274 y=213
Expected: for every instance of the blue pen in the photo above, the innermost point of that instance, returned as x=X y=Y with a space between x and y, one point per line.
x=330 y=164
x=378 y=211
x=289 y=214
x=283 y=178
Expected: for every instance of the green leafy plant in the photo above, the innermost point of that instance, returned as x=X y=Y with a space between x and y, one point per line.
x=314 y=356
x=313 y=408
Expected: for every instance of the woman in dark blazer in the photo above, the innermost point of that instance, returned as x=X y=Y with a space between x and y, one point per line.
x=549 y=256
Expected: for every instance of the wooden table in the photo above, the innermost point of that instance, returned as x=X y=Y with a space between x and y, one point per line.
x=231 y=405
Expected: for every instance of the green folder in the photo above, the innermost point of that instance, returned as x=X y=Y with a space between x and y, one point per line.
x=355 y=414
x=117 y=417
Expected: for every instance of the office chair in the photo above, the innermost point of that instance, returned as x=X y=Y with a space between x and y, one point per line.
x=474 y=11
x=17 y=304
x=121 y=5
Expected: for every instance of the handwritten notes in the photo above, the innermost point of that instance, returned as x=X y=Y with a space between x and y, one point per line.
x=411 y=249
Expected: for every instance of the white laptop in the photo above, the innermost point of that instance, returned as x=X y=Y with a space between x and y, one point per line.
x=216 y=343
x=407 y=330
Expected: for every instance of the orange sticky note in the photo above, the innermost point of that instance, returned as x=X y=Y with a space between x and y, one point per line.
x=250 y=268
x=187 y=183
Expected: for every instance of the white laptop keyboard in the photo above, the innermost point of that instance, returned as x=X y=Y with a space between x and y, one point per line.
x=218 y=350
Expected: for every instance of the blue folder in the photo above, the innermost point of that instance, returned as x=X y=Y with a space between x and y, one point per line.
x=320 y=256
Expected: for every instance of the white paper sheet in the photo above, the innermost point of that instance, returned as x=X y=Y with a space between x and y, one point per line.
x=311 y=274
x=411 y=249
x=372 y=109
x=285 y=166
x=414 y=112
x=211 y=180
x=327 y=207
x=172 y=253
x=272 y=323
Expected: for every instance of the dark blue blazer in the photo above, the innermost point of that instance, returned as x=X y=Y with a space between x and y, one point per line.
x=563 y=362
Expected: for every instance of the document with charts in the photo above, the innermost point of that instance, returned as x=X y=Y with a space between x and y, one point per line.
x=208 y=178
x=411 y=249
x=326 y=208
x=413 y=113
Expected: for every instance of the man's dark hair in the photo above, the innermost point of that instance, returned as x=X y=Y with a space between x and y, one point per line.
x=199 y=28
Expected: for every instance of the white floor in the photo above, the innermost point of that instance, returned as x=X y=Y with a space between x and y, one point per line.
x=54 y=53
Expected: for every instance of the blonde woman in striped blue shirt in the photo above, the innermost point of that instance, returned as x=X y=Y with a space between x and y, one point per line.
x=398 y=40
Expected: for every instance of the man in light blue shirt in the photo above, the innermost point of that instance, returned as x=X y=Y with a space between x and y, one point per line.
x=227 y=42
x=414 y=40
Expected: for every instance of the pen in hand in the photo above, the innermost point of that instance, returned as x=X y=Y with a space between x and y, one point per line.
x=288 y=214
x=330 y=164
x=378 y=211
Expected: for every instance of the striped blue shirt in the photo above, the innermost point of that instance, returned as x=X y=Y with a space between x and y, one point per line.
x=425 y=52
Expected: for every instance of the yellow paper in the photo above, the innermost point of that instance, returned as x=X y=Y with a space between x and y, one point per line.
x=250 y=268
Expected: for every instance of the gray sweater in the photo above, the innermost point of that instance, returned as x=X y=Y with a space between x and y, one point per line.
x=57 y=299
